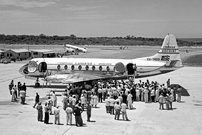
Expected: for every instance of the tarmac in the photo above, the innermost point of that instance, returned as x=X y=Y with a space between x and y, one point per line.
x=146 y=119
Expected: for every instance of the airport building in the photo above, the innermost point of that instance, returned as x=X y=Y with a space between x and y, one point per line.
x=1 y=53
x=17 y=54
x=43 y=53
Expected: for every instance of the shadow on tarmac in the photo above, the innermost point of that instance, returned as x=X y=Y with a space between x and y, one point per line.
x=198 y=104
x=92 y=121
x=49 y=86
x=184 y=91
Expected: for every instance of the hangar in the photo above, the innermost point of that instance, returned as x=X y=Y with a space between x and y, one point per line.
x=43 y=53
x=17 y=54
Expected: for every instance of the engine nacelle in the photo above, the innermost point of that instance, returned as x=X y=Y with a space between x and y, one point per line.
x=120 y=68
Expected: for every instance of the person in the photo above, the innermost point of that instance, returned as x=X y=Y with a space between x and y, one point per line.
x=111 y=104
x=57 y=115
x=123 y=111
x=24 y=87
x=50 y=105
x=153 y=95
x=36 y=100
x=171 y=99
x=13 y=97
x=117 y=108
x=95 y=100
x=46 y=110
x=174 y=93
x=22 y=96
x=83 y=101
x=73 y=102
x=100 y=95
x=107 y=102
x=137 y=94
x=179 y=94
x=77 y=114
x=88 y=111
x=40 y=111
x=69 y=112
x=157 y=94
x=161 y=101
x=11 y=86
x=54 y=98
x=15 y=91
x=19 y=88
x=124 y=97
x=104 y=92
x=167 y=102
x=146 y=95
x=168 y=83
x=65 y=101
x=130 y=101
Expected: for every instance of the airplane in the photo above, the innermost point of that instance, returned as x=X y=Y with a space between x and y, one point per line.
x=72 y=48
x=73 y=70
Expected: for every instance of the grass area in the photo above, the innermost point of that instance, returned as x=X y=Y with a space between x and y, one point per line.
x=195 y=60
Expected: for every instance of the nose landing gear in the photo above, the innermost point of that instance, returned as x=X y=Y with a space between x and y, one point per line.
x=37 y=84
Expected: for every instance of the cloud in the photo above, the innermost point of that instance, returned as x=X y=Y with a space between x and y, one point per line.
x=17 y=16
x=27 y=3
x=79 y=8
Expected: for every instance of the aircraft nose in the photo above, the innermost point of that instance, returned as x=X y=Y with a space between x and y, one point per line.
x=24 y=70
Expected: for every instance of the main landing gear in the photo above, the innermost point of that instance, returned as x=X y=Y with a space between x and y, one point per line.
x=37 y=84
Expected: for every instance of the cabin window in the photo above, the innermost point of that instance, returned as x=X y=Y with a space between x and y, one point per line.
x=93 y=68
x=100 y=68
x=87 y=67
x=65 y=67
x=58 y=67
x=72 y=67
x=80 y=67
x=108 y=69
x=35 y=53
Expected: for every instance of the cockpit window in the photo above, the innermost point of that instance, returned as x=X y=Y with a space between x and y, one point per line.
x=32 y=66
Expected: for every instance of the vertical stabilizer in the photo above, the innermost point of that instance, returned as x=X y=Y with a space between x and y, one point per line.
x=168 y=53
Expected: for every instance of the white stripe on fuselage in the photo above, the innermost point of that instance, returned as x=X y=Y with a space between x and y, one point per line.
x=142 y=65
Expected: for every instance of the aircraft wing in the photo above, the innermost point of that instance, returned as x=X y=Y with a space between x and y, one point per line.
x=73 y=78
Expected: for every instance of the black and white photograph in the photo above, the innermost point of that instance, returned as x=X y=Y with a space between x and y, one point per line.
x=100 y=67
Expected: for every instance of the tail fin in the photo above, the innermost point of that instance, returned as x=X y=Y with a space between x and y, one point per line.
x=168 y=53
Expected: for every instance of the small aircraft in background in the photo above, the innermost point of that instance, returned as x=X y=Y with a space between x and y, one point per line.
x=73 y=70
x=74 y=49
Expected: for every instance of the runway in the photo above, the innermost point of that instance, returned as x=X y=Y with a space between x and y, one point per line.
x=186 y=118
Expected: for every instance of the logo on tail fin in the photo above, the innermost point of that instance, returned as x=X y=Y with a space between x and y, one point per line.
x=165 y=58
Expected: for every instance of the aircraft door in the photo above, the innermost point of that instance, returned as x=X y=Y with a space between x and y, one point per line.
x=131 y=68
x=42 y=67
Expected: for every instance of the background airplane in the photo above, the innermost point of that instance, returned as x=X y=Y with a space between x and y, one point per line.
x=72 y=48
x=72 y=70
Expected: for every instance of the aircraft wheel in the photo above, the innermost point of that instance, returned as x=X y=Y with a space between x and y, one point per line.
x=37 y=84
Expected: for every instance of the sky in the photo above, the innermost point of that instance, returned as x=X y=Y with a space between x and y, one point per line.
x=102 y=18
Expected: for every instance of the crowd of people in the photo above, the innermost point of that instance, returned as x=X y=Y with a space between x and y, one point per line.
x=118 y=97
x=17 y=92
